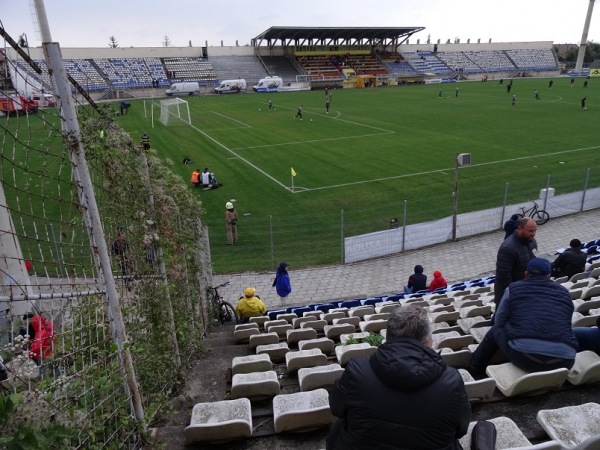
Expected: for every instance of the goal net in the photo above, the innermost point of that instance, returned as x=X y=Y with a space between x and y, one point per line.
x=174 y=111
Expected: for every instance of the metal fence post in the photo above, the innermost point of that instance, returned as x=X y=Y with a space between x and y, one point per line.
x=585 y=186
x=342 y=247
x=546 y=195
x=157 y=255
x=504 y=206
x=404 y=224
x=271 y=239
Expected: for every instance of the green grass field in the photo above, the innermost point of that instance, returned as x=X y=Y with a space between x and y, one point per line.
x=376 y=149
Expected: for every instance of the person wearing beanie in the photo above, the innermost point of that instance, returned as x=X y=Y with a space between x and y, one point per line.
x=532 y=325
x=417 y=281
x=231 y=218
x=438 y=281
x=282 y=283
x=569 y=262
x=250 y=305
x=511 y=225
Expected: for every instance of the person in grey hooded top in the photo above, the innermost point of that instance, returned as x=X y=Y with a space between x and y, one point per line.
x=403 y=396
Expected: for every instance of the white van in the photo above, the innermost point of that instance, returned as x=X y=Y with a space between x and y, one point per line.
x=189 y=87
x=42 y=100
x=268 y=84
x=230 y=86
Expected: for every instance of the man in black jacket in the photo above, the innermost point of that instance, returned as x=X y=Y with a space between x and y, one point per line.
x=417 y=281
x=513 y=255
x=569 y=262
x=403 y=396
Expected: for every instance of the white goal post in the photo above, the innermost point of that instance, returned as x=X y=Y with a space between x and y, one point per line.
x=174 y=111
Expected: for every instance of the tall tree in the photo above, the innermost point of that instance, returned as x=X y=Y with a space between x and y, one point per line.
x=112 y=42
x=167 y=42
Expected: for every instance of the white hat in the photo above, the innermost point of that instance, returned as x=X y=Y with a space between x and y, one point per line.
x=229 y=205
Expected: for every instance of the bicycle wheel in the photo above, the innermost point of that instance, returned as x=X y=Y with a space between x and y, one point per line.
x=541 y=217
x=227 y=313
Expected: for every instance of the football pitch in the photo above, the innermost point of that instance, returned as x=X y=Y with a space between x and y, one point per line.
x=376 y=153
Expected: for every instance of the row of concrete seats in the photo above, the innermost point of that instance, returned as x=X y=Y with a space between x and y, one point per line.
x=571 y=427
x=229 y=420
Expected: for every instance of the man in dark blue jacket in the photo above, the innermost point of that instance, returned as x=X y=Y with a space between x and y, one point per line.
x=403 y=396
x=513 y=256
x=532 y=325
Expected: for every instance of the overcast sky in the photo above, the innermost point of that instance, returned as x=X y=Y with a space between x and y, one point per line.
x=144 y=23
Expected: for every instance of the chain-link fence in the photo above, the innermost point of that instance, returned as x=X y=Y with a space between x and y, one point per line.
x=320 y=237
x=103 y=275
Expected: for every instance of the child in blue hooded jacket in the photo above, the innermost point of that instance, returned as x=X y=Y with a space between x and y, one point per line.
x=282 y=281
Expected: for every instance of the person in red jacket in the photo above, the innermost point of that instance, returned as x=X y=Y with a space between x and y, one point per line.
x=438 y=281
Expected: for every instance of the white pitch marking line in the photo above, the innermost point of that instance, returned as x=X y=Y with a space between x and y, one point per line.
x=442 y=171
x=231 y=118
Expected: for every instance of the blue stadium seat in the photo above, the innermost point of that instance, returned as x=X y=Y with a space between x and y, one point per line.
x=273 y=313
x=299 y=310
x=371 y=301
x=393 y=298
x=349 y=304
x=325 y=307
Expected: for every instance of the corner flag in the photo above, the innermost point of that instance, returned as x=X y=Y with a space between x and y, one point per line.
x=293 y=171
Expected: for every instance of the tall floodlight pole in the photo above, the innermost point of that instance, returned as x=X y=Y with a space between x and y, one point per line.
x=583 y=44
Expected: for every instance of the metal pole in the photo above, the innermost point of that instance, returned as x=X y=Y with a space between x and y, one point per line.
x=14 y=279
x=404 y=217
x=61 y=268
x=585 y=186
x=342 y=247
x=546 y=195
x=85 y=190
x=271 y=239
x=455 y=194
x=157 y=255
x=584 y=35
x=504 y=205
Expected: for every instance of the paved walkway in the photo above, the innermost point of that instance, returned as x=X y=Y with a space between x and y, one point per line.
x=458 y=261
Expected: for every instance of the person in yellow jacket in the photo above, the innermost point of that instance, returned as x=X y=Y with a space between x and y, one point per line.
x=250 y=305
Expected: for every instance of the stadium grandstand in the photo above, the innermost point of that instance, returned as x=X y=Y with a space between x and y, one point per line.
x=304 y=58
x=284 y=359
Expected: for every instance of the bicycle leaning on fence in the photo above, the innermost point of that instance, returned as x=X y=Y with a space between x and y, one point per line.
x=539 y=215
x=219 y=308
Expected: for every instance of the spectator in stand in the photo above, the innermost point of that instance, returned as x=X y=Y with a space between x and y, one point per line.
x=417 y=281
x=513 y=255
x=569 y=262
x=250 y=305
x=588 y=338
x=282 y=283
x=511 y=225
x=438 y=281
x=391 y=400
x=532 y=325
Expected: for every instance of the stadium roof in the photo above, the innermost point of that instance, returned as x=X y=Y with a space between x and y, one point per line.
x=334 y=35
